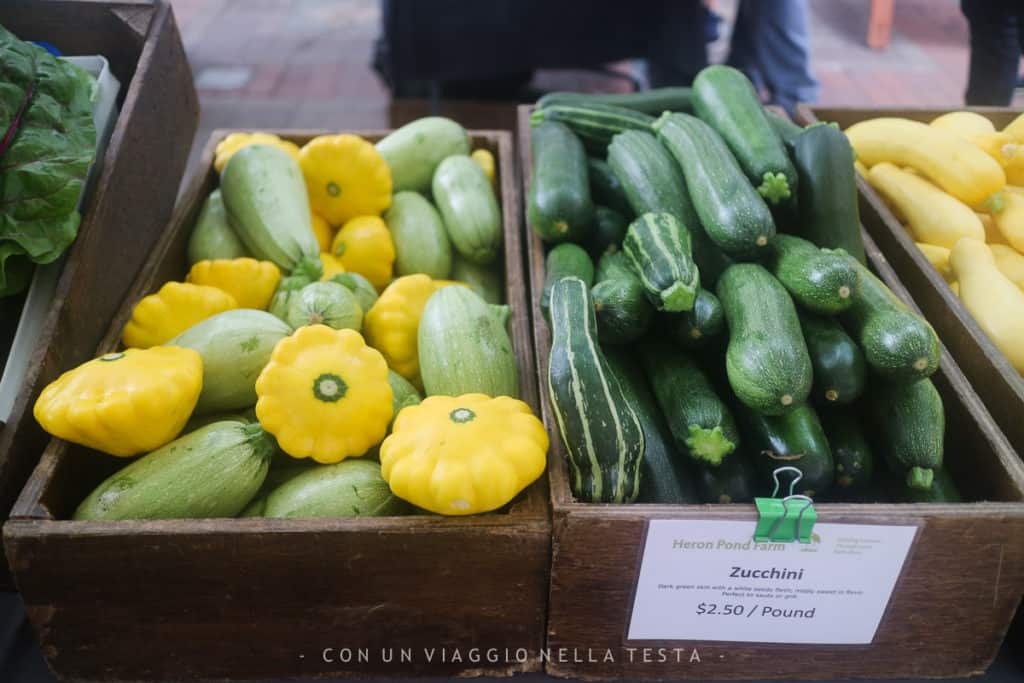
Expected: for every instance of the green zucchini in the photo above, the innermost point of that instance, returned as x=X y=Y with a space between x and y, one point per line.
x=767 y=361
x=653 y=183
x=267 y=205
x=795 y=439
x=608 y=231
x=734 y=481
x=786 y=130
x=421 y=242
x=664 y=475
x=403 y=393
x=821 y=280
x=594 y=124
x=733 y=214
x=612 y=265
x=898 y=344
x=325 y=303
x=213 y=472
x=910 y=423
x=622 y=310
x=701 y=423
x=235 y=347
x=837 y=362
x=652 y=101
x=692 y=329
x=306 y=273
x=466 y=201
x=606 y=188
x=213 y=237
x=943 y=490
x=350 y=488
x=464 y=348
x=559 y=205
x=658 y=250
x=725 y=99
x=564 y=260
x=601 y=430
x=365 y=293
x=414 y=151
x=851 y=453
x=486 y=281
x=828 y=190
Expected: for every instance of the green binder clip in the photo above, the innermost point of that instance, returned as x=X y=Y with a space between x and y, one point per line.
x=783 y=520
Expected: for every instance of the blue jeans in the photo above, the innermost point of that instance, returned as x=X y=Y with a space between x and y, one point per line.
x=997 y=42
x=770 y=44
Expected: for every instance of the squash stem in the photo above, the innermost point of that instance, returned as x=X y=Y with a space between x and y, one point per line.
x=920 y=478
x=709 y=445
x=678 y=297
x=775 y=187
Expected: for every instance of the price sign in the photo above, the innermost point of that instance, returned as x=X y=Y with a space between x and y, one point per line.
x=709 y=580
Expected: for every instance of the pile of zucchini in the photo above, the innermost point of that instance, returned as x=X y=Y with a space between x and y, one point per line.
x=711 y=312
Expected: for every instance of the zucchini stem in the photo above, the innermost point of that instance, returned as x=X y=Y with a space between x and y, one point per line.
x=774 y=188
x=678 y=297
x=920 y=478
x=708 y=445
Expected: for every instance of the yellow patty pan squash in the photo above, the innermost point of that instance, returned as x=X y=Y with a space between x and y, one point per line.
x=364 y=246
x=346 y=177
x=250 y=282
x=236 y=141
x=323 y=231
x=324 y=395
x=178 y=306
x=463 y=455
x=392 y=324
x=124 y=403
x=332 y=266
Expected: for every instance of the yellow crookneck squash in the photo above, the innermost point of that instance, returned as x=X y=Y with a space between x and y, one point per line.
x=227 y=147
x=250 y=282
x=124 y=403
x=463 y=455
x=332 y=266
x=485 y=160
x=1010 y=263
x=392 y=324
x=178 y=306
x=364 y=246
x=346 y=177
x=323 y=231
x=325 y=395
x=1010 y=221
x=963 y=123
x=939 y=258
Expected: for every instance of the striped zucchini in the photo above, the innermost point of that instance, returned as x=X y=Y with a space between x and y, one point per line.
x=658 y=250
x=594 y=124
x=653 y=101
x=600 y=429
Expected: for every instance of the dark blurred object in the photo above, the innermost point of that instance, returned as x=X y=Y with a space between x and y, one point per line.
x=468 y=49
x=997 y=42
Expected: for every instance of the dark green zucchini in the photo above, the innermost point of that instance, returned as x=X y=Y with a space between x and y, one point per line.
x=943 y=490
x=786 y=129
x=622 y=310
x=559 y=204
x=851 y=453
x=795 y=439
x=564 y=260
x=692 y=329
x=601 y=431
x=664 y=475
x=658 y=250
x=898 y=344
x=702 y=424
x=734 y=481
x=910 y=425
x=732 y=213
x=821 y=280
x=607 y=233
x=767 y=361
x=827 y=198
x=612 y=265
x=725 y=99
x=606 y=189
x=653 y=183
x=838 y=363
x=594 y=124
x=652 y=101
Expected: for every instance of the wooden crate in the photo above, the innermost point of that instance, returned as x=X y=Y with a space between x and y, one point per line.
x=948 y=614
x=131 y=200
x=241 y=599
x=998 y=383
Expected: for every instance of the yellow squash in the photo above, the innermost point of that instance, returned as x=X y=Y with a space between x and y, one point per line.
x=860 y=168
x=392 y=323
x=178 y=306
x=1000 y=146
x=124 y=403
x=332 y=266
x=954 y=164
x=992 y=234
x=963 y=123
x=933 y=216
x=1016 y=129
x=1010 y=263
x=955 y=286
x=250 y=282
x=463 y=455
x=236 y=141
x=485 y=160
x=938 y=257
x=323 y=231
x=995 y=302
x=1010 y=221
x=364 y=246
x=346 y=177
x=1015 y=170
x=324 y=395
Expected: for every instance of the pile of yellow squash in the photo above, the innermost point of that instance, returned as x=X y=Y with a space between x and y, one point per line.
x=957 y=185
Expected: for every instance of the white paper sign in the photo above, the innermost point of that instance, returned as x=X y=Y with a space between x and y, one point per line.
x=709 y=580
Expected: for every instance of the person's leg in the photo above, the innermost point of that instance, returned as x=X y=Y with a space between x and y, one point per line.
x=782 y=50
x=995 y=50
x=742 y=53
x=678 y=50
